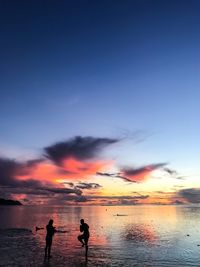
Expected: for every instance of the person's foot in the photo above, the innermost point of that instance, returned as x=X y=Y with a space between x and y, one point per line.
x=83 y=245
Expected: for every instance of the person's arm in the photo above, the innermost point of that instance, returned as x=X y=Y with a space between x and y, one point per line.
x=81 y=228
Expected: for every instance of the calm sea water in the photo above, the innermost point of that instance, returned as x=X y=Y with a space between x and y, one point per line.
x=153 y=236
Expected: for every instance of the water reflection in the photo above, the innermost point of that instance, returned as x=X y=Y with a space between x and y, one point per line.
x=139 y=233
x=147 y=236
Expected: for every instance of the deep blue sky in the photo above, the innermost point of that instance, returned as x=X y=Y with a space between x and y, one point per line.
x=98 y=68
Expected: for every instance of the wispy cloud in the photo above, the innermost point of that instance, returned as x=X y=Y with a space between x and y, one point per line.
x=173 y=174
x=115 y=175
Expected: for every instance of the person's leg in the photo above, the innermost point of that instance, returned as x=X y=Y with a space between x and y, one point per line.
x=49 y=251
x=80 y=239
x=86 y=240
x=46 y=251
x=86 y=246
x=48 y=247
x=86 y=252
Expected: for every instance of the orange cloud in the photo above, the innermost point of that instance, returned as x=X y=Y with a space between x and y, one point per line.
x=43 y=171
x=71 y=168
x=76 y=168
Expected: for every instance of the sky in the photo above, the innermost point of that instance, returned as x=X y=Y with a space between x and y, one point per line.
x=99 y=101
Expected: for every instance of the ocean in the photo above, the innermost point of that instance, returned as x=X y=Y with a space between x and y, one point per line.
x=140 y=235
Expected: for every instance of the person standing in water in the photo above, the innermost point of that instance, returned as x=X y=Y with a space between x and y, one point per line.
x=84 y=228
x=49 y=236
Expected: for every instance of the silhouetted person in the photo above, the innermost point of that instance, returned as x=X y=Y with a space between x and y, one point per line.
x=50 y=232
x=84 y=228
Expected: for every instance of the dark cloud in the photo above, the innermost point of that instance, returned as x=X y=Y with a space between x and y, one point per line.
x=88 y=186
x=82 y=199
x=160 y=192
x=83 y=185
x=128 y=202
x=63 y=190
x=58 y=199
x=10 y=169
x=173 y=174
x=82 y=148
x=177 y=202
x=137 y=171
x=112 y=200
x=170 y=171
x=29 y=183
x=180 y=177
x=45 y=191
x=106 y=174
x=115 y=175
x=25 y=190
x=42 y=192
x=137 y=136
x=119 y=197
x=68 y=183
x=126 y=179
x=139 y=195
x=192 y=195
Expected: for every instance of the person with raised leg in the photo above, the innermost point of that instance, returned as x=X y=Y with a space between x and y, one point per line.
x=84 y=228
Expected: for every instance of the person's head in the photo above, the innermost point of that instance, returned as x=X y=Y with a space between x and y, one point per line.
x=82 y=221
x=51 y=222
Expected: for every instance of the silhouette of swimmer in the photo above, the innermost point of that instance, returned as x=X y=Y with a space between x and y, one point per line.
x=50 y=232
x=84 y=227
x=38 y=228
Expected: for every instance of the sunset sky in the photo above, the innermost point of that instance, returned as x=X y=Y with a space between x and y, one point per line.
x=99 y=101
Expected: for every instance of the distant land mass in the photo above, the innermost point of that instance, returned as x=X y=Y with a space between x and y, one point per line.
x=9 y=202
